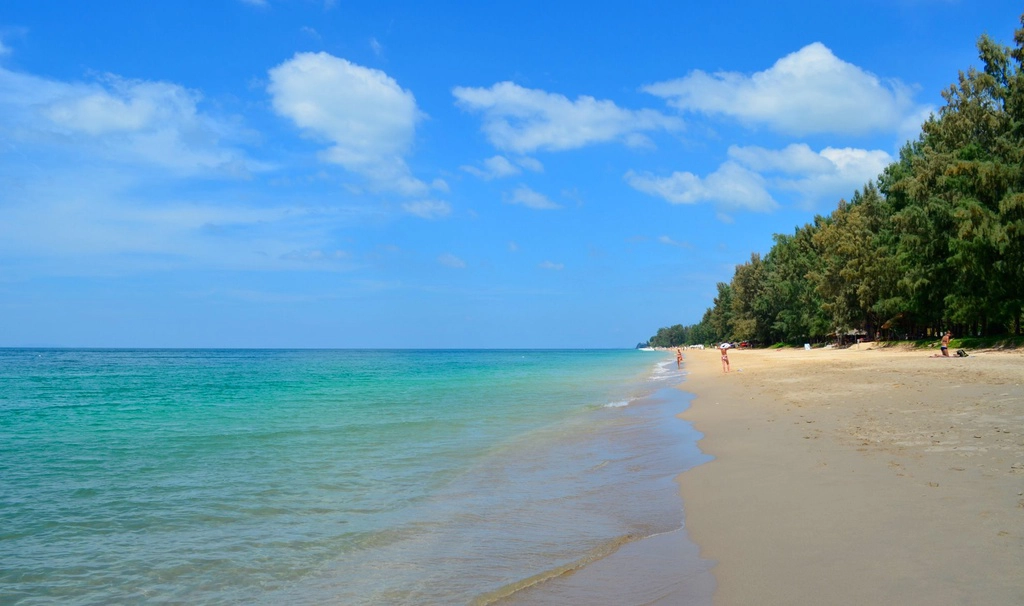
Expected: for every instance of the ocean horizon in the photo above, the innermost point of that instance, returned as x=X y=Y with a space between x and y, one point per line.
x=349 y=476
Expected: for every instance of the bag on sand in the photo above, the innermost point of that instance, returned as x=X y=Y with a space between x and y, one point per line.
x=961 y=353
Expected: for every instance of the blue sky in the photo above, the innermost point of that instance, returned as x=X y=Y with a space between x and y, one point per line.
x=323 y=173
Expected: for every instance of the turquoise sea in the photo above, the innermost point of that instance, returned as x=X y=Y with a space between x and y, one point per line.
x=340 y=476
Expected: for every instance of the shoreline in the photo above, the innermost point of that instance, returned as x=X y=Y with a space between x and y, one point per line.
x=859 y=476
x=657 y=562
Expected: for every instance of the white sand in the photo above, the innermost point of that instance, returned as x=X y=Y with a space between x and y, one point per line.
x=859 y=476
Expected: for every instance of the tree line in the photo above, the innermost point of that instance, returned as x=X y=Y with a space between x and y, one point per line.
x=935 y=243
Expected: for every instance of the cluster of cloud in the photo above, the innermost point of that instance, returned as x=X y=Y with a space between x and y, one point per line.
x=116 y=144
x=523 y=121
x=365 y=123
x=368 y=122
x=808 y=92
x=126 y=135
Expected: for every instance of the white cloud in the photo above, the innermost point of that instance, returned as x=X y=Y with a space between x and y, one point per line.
x=549 y=265
x=797 y=158
x=747 y=178
x=531 y=164
x=428 y=209
x=494 y=168
x=730 y=187
x=450 y=260
x=828 y=175
x=531 y=199
x=260 y=3
x=910 y=129
x=525 y=120
x=95 y=223
x=368 y=119
x=498 y=167
x=315 y=256
x=125 y=121
x=667 y=241
x=125 y=107
x=808 y=91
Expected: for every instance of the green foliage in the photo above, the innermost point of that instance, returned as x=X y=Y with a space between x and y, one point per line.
x=795 y=306
x=748 y=300
x=720 y=319
x=994 y=342
x=971 y=343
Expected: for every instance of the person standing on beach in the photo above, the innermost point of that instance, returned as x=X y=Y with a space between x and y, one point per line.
x=724 y=349
x=679 y=358
x=945 y=343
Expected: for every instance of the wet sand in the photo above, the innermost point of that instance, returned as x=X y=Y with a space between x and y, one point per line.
x=859 y=476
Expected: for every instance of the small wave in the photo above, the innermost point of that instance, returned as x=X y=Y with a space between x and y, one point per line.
x=664 y=367
x=598 y=553
x=619 y=404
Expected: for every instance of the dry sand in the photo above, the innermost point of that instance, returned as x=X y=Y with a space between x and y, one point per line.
x=859 y=476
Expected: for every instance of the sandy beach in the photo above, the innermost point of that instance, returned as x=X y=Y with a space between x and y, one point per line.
x=859 y=476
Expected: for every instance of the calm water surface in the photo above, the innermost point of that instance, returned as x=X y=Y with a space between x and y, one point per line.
x=336 y=476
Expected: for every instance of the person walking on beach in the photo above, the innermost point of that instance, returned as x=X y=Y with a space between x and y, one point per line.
x=679 y=358
x=945 y=343
x=724 y=349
